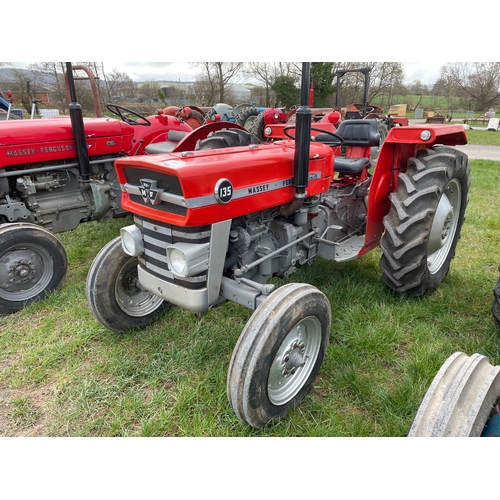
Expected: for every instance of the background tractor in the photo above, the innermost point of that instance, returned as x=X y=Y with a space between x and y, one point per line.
x=56 y=173
x=223 y=213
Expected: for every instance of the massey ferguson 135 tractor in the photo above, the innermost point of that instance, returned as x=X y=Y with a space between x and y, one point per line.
x=219 y=216
x=54 y=174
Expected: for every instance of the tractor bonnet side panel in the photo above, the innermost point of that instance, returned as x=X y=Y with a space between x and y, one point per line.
x=204 y=187
x=51 y=139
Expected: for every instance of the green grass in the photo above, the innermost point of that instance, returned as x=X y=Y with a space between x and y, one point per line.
x=484 y=137
x=63 y=374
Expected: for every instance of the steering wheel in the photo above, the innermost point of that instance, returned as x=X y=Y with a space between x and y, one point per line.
x=124 y=113
x=333 y=134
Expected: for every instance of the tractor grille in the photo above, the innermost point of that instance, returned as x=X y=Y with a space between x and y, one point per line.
x=157 y=236
x=167 y=183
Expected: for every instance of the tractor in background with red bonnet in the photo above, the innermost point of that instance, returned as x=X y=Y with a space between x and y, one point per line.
x=56 y=173
x=222 y=213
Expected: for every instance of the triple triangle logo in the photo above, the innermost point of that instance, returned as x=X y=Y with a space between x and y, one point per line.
x=149 y=192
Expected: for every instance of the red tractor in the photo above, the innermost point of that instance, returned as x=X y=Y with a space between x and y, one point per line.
x=223 y=213
x=56 y=173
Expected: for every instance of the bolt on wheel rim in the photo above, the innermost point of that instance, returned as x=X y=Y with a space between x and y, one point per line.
x=444 y=226
x=294 y=361
x=24 y=272
x=130 y=296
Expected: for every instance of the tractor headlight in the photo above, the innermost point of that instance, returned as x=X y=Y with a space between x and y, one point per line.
x=132 y=240
x=188 y=259
x=425 y=135
x=268 y=130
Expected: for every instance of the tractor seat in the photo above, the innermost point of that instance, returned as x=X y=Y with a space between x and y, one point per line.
x=173 y=136
x=359 y=136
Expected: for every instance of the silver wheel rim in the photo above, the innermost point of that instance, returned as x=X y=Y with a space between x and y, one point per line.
x=294 y=361
x=24 y=272
x=444 y=226
x=249 y=122
x=130 y=296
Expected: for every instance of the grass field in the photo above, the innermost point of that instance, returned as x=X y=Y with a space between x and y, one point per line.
x=63 y=374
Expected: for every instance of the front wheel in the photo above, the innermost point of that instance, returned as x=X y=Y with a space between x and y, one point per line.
x=461 y=401
x=114 y=294
x=33 y=263
x=423 y=225
x=279 y=353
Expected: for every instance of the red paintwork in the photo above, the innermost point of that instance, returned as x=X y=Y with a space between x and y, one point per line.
x=400 y=144
x=266 y=163
x=33 y=141
x=244 y=167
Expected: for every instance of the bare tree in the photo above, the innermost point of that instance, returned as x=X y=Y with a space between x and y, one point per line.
x=477 y=82
x=217 y=78
x=119 y=84
x=267 y=72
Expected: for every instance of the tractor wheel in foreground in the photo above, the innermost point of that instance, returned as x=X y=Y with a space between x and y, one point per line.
x=33 y=263
x=495 y=308
x=462 y=399
x=279 y=353
x=246 y=117
x=115 y=296
x=227 y=138
x=423 y=225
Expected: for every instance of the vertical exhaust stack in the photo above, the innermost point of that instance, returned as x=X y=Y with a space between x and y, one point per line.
x=302 y=136
x=302 y=146
x=76 y=116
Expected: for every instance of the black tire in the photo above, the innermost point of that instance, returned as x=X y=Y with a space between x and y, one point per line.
x=495 y=308
x=210 y=115
x=114 y=294
x=279 y=353
x=246 y=117
x=33 y=263
x=195 y=120
x=257 y=128
x=227 y=138
x=460 y=400
x=383 y=131
x=423 y=225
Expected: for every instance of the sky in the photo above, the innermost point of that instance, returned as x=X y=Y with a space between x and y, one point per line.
x=427 y=72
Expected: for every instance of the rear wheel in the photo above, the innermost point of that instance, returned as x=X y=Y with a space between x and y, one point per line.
x=246 y=117
x=424 y=222
x=495 y=308
x=195 y=120
x=279 y=353
x=383 y=131
x=33 y=263
x=461 y=399
x=114 y=294
x=257 y=128
x=227 y=138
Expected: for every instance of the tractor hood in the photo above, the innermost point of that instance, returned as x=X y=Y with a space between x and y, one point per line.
x=16 y=133
x=51 y=139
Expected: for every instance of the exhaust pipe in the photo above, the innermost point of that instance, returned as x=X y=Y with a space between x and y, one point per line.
x=76 y=117
x=302 y=145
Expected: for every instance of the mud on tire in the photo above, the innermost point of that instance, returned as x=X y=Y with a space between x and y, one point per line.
x=423 y=225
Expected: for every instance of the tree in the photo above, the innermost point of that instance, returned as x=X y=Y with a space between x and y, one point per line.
x=119 y=84
x=267 y=72
x=216 y=79
x=287 y=93
x=322 y=78
x=477 y=82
